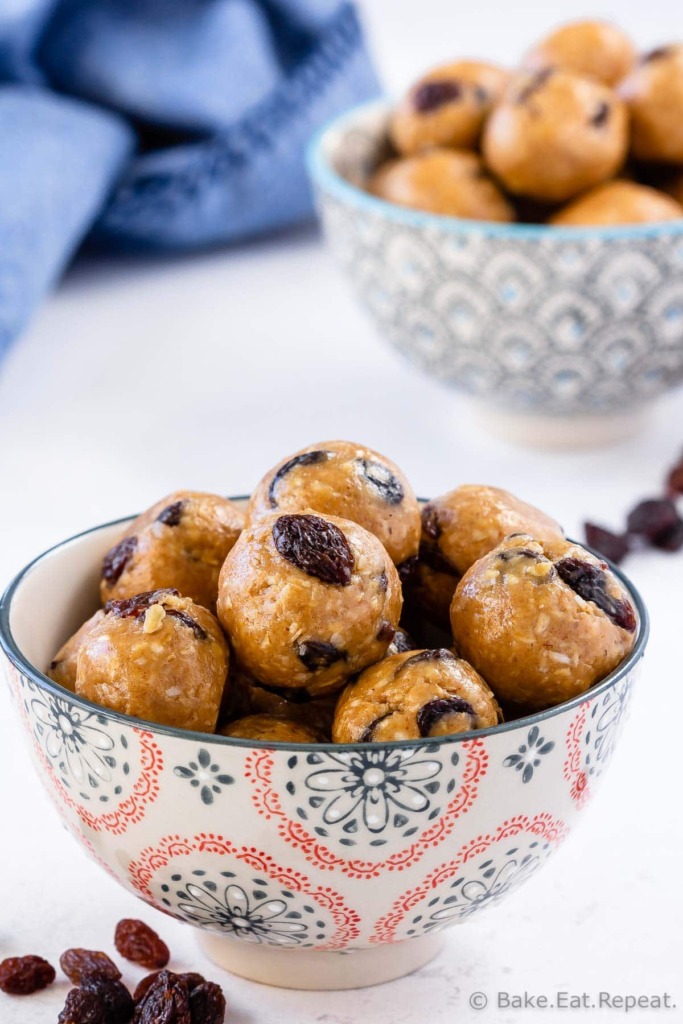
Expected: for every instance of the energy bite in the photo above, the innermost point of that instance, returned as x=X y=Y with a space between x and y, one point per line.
x=268 y=727
x=63 y=666
x=619 y=202
x=460 y=527
x=157 y=656
x=417 y=694
x=340 y=478
x=542 y=622
x=446 y=107
x=555 y=134
x=181 y=542
x=250 y=697
x=308 y=600
x=594 y=49
x=654 y=95
x=450 y=182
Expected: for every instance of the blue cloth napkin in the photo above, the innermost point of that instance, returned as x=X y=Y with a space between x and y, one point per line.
x=160 y=124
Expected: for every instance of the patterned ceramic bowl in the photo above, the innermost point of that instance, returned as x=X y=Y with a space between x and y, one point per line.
x=309 y=866
x=564 y=335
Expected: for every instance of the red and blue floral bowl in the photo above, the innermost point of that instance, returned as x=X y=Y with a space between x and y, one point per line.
x=306 y=866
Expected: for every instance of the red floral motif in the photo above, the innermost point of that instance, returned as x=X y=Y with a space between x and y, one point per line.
x=579 y=788
x=154 y=858
x=133 y=808
x=543 y=826
x=258 y=771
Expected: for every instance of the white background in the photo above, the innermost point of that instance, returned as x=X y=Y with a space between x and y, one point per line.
x=138 y=378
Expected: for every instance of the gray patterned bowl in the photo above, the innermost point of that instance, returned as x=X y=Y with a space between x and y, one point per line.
x=308 y=866
x=563 y=335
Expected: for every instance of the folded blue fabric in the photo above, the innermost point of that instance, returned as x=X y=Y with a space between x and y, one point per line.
x=222 y=97
x=58 y=159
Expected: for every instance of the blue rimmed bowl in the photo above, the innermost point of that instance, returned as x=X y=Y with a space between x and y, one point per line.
x=307 y=866
x=562 y=335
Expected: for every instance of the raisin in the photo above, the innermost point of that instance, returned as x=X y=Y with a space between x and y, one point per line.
x=430 y=522
x=674 y=479
x=165 y=1002
x=590 y=582
x=191 y=979
x=656 y=54
x=437 y=654
x=614 y=546
x=433 y=710
x=406 y=570
x=172 y=514
x=79 y=964
x=652 y=517
x=305 y=459
x=383 y=582
x=386 y=631
x=512 y=553
x=116 y=560
x=369 y=732
x=82 y=1007
x=135 y=607
x=22 y=975
x=601 y=115
x=188 y=621
x=136 y=941
x=383 y=480
x=114 y=997
x=403 y=641
x=432 y=95
x=316 y=547
x=207 y=1004
x=672 y=539
x=317 y=654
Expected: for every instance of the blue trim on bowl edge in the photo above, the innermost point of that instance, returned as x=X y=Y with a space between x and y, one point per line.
x=328 y=180
x=10 y=648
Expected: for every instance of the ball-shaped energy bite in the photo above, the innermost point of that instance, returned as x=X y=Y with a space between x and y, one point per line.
x=541 y=622
x=654 y=95
x=619 y=202
x=411 y=695
x=268 y=728
x=593 y=49
x=458 y=528
x=446 y=107
x=308 y=600
x=448 y=182
x=157 y=656
x=555 y=134
x=181 y=542
x=63 y=666
x=340 y=478
x=250 y=697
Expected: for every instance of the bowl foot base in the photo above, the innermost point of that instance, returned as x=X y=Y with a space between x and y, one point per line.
x=309 y=969
x=576 y=433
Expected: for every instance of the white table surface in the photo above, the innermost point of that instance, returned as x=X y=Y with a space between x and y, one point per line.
x=142 y=377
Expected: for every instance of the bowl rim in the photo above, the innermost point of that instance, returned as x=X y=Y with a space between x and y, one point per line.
x=326 y=178
x=11 y=649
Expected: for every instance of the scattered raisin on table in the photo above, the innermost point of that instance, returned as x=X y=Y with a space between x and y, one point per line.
x=23 y=975
x=207 y=1004
x=652 y=517
x=114 y=997
x=82 y=1007
x=614 y=546
x=167 y=1001
x=675 y=479
x=136 y=941
x=79 y=964
x=191 y=979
